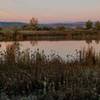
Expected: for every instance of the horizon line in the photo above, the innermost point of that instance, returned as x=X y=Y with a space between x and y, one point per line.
x=49 y=22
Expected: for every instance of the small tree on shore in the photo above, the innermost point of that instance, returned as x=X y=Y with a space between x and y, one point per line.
x=34 y=22
x=61 y=28
x=1 y=28
x=97 y=25
x=32 y=25
x=89 y=24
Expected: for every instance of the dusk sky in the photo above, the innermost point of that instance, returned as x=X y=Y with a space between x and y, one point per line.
x=49 y=10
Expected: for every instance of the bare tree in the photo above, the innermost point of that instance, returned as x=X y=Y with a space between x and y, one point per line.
x=33 y=21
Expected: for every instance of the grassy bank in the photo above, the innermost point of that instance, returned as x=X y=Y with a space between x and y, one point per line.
x=68 y=34
x=41 y=76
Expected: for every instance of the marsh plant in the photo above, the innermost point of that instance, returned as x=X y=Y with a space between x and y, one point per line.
x=32 y=75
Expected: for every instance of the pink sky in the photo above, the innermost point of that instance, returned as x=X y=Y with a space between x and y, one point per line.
x=49 y=10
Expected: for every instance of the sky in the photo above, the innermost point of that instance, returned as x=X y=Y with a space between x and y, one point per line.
x=48 y=11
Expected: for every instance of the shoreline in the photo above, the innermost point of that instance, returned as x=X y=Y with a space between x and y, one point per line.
x=26 y=35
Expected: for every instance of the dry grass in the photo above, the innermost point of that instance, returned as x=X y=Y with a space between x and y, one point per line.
x=22 y=73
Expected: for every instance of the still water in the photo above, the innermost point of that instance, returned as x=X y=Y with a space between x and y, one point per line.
x=62 y=48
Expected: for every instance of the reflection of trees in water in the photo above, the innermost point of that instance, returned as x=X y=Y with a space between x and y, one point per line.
x=90 y=41
x=33 y=43
x=97 y=41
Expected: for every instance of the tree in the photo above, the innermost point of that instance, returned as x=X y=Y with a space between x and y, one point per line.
x=15 y=33
x=97 y=25
x=34 y=22
x=89 y=24
x=61 y=28
x=1 y=28
x=33 y=25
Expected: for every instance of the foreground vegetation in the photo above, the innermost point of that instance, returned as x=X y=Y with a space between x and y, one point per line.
x=26 y=75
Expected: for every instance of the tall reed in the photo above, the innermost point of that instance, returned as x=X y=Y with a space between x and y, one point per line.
x=25 y=72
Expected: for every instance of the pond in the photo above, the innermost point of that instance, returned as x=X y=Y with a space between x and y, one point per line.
x=62 y=48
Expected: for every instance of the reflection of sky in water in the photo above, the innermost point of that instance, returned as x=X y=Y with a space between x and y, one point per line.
x=62 y=48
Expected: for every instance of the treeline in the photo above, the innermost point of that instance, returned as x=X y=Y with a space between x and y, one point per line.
x=34 y=31
x=91 y=25
x=33 y=25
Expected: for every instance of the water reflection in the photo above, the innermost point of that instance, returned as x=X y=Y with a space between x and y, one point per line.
x=90 y=41
x=62 y=48
x=33 y=43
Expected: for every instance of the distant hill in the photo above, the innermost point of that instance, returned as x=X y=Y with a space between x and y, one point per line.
x=53 y=25
x=67 y=25
x=11 y=24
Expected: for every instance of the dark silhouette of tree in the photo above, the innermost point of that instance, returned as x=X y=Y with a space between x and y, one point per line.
x=15 y=33
x=89 y=24
x=33 y=24
x=33 y=21
x=97 y=25
x=61 y=28
x=0 y=28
